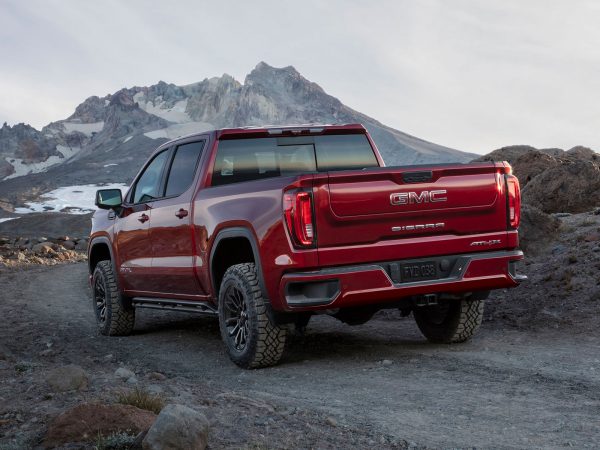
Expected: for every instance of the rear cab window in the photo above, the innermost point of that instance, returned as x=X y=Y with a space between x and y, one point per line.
x=248 y=159
x=183 y=168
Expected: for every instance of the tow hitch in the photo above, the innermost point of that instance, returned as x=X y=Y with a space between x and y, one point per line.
x=426 y=300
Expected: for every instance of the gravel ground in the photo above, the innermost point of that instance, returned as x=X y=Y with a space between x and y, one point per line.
x=380 y=385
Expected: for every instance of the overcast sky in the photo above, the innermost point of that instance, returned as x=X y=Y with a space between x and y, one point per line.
x=469 y=74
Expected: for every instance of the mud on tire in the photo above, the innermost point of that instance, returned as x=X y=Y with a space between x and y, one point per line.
x=450 y=322
x=113 y=317
x=251 y=339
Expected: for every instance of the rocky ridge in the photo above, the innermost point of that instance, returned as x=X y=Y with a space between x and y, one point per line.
x=107 y=138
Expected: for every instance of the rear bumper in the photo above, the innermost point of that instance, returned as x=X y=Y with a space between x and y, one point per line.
x=369 y=284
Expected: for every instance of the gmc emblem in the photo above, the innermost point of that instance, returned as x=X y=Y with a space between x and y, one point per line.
x=408 y=198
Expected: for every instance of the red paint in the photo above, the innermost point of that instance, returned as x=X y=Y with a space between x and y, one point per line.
x=352 y=224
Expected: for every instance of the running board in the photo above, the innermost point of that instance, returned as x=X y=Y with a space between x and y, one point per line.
x=170 y=304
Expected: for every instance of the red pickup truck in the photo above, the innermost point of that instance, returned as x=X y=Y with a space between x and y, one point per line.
x=265 y=227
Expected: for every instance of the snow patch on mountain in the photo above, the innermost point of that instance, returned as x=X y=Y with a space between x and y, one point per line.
x=22 y=168
x=160 y=108
x=72 y=199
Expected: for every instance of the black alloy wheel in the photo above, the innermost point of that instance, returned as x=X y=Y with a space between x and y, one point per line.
x=236 y=317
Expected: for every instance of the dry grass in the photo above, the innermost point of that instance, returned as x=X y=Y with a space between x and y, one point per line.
x=567 y=279
x=142 y=399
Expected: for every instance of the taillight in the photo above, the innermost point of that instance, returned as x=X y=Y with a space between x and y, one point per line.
x=298 y=213
x=514 y=201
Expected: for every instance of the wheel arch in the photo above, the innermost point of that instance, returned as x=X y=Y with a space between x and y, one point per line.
x=221 y=259
x=100 y=249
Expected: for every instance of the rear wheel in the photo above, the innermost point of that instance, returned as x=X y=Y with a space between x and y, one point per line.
x=113 y=316
x=251 y=338
x=450 y=322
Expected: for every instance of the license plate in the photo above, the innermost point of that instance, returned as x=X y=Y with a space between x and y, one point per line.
x=426 y=270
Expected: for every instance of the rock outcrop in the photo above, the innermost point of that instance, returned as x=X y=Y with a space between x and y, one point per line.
x=554 y=180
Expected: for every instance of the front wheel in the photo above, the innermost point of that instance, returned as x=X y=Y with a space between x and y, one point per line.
x=113 y=316
x=251 y=338
x=450 y=322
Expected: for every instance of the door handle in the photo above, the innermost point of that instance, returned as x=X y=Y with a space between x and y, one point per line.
x=143 y=218
x=181 y=213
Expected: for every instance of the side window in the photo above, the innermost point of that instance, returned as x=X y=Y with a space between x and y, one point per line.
x=148 y=185
x=183 y=168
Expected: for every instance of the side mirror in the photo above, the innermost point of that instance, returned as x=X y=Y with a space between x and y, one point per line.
x=109 y=198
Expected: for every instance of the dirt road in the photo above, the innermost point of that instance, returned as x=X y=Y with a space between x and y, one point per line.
x=377 y=385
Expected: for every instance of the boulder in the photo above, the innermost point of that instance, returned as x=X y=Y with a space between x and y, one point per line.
x=177 y=427
x=43 y=248
x=124 y=373
x=67 y=378
x=85 y=422
x=69 y=245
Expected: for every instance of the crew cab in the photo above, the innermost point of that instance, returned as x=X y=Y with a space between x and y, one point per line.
x=265 y=227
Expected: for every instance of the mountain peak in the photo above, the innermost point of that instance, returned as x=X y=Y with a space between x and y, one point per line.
x=263 y=66
x=122 y=98
x=264 y=71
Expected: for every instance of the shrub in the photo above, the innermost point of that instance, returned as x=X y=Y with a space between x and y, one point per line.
x=142 y=399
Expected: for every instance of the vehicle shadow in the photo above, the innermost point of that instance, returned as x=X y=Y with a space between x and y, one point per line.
x=325 y=339
x=153 y=322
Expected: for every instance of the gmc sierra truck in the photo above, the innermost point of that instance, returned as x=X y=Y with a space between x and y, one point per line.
x=265 y=227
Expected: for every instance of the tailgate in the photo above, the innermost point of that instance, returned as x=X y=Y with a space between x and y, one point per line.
x=364 y=207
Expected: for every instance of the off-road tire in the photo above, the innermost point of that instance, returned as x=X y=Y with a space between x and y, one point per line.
x=265 y=341
x=119 y=318
x=451 y=322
